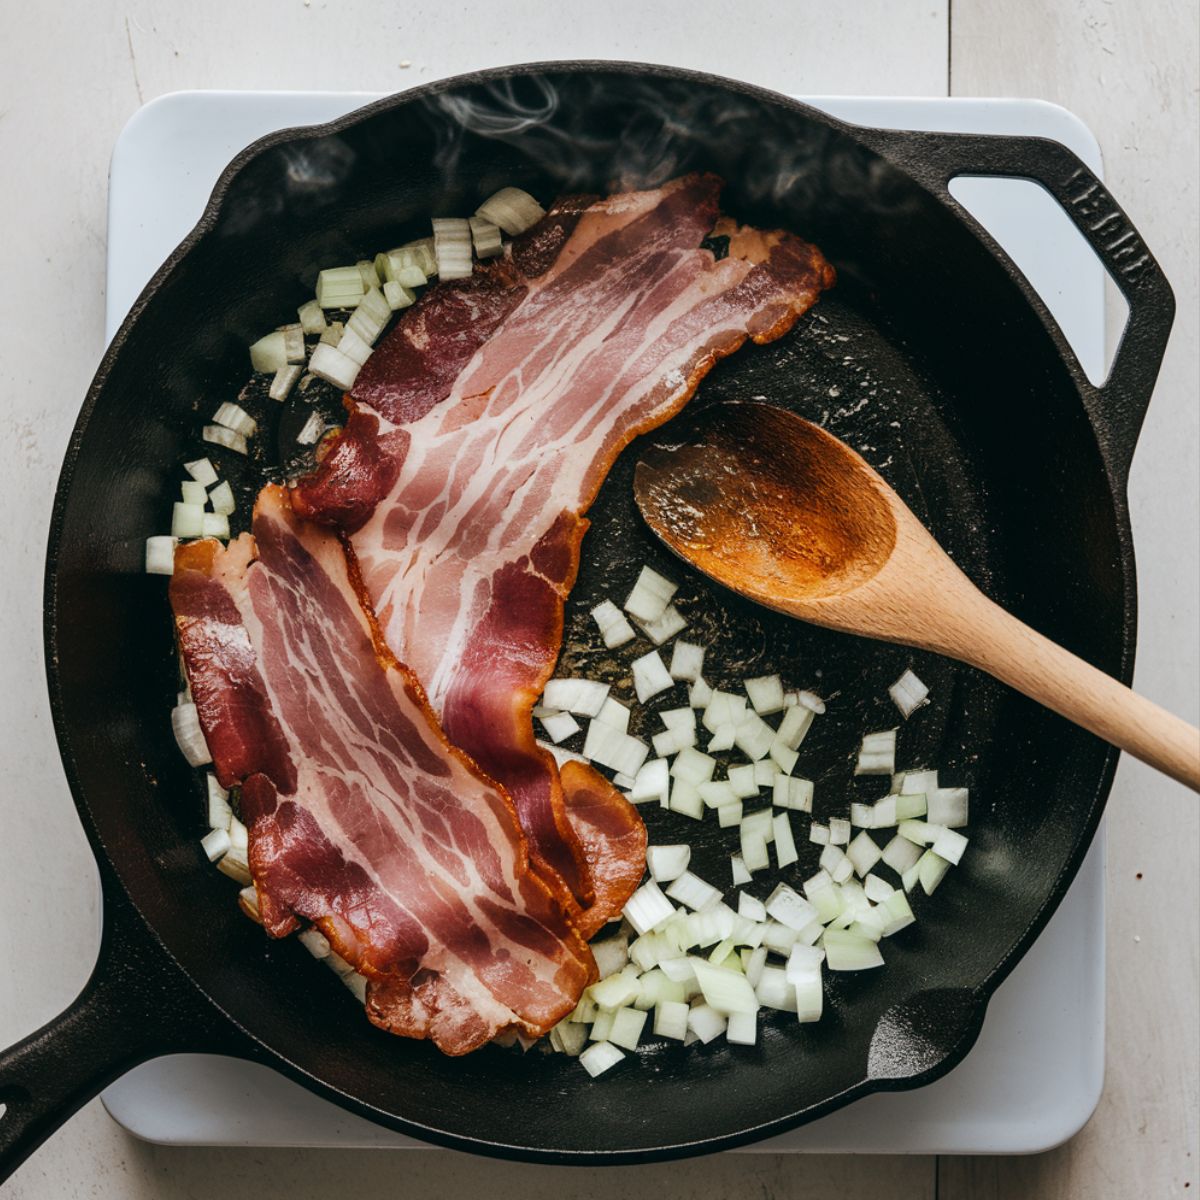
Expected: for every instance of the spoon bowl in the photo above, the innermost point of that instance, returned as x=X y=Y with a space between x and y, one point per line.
x=782 y=512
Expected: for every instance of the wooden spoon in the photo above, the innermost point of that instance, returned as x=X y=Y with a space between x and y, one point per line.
x=774 y=508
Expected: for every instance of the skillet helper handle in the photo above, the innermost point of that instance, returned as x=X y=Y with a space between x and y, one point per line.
x=1118 y=406
x=137 y=1005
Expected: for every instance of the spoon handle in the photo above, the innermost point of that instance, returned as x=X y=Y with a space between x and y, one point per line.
x=1021 y=657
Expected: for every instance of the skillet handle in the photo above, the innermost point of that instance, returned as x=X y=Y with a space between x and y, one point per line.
x=137 y=1005
x=1118 y=406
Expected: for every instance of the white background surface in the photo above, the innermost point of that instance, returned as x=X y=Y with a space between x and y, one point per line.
x=70 y=75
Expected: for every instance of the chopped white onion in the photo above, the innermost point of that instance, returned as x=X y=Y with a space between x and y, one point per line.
x=215 y=843
x=285 y=379
x=785 y=842
x=716 y=792
x=452 y=247
x=665 y=627
x=329 y=363
x=766 y=694
x=353 y=346
x=512 y=209
x=652 y=782
x=693 y=891
x=862 y=816
x=793 y=727
x=724 y=991
x=729 y=814
x=818 y=834
x=613 y=712
x=193 y=493
x=908 y=693
x=627 y=1027
x=738 y=869
x=315 y=942
x=754 y=850
x=782 y=757
x=699 y=694
x=233 y=863
x=202 y=471
x=220 y=815
x=883 y=813
x=650 y=676
x=650 y=596
x=614 y=628
x=900 y=854
x=670 y=1019
x=741 y=779
x=753 y=737
x=293 y=343
x=845 y=951
x=648 y=908
x=311 y=430
x=666 y=863
x=877 y=755
x=948 y=807
x=706 y=1023
x=332 y=335
x=269 y=353
x=949 y=844
x=672 y=741
x=773 y=990
x=233 y=416
x=598 y=1058
x=339 y=287
x=789 y=908
x=160 y=555
x=811 y=701
x=221 y=499
x=789 y=791
x=877 y=890
x=312 y=318
x=185 y=724
x=863 y=853
x=722 y=739
x=187 y=520
x=399 y=294
x=584 y=697
x=559 y=726
x=685 y=800
x=920 y=832
x=485 y=237
x=215 y=525
x=613 y=749
x=687 y=661
x=839 y=831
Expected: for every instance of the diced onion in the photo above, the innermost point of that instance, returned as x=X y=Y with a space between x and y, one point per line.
x=221 y=499
x=220 y=815
x=202 y=471
x=900 y=854
x=559 y=726
x=329 y=363
x=839 y=831
x=485 y=237
x=738 y=869
x=845 y=951
x=452 y=247
x=949 y=844
x=269 y=353
x=671 y=1019
x=293 y=344
x=948 y=807
x=598 y=1058
x=766 y=694
x=753 y=737
x=699 y=694
x=512 y=209
x=789 y=908
x=692 y=891
x=794 y=725
x=315 y=942
x=399 y=296
x=613 y=712
x=614 y=628
x=908 y=694
x=650 y=676
x=665 y=627
x=215 y=843
x=353 y=346
x=219 y=435
x=672 y=741
x=310 y=432
x=187 y=520
x=652 y=782
x=818 y=834
x=583 y=697
x=693 y=766
x=729 y=814
x=285 y=379
x=233 y=416
x=775 y=991
x=650 y=596
x=877 y=756
x=312 y=317
x=785 y=843
x=706 y=1023
x=648 y=908
x=339 y=287
x=215 y=525
x=160 y=555
x=724 y=991
x=333 y=333
x=863 y=853
x=193 y=493
x=613 y=749
x=185 y=724
x=627 y=1027
x=685 y=800
x=666 y=863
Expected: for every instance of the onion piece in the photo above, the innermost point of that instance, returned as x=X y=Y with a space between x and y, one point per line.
x=202 y=471
x=269 y=353
x=652 y=782
x=765 y=693
x=908 y=694
x=339 y=287
x=775 y=991
x=877 y=755
x=219 y=435
x=354 y=346
x=215 y=843
x=233 y=863
x=724 y=991
x=311 y=431
x=220 y=815
x=900 y=854
x=839 y=831
x=193 y=493
x=285 y=379
x=666 y=863
x=694 y=892
x=738 y=871
x=665 y=627
x=333 y=333
x=512 y=209
x=627 y=1027
x=672 y=741
x=699 y=694
x=613 y=712
x=785 y=842
x=782 y=757
x=293 y=343
x=818 y=834
x=452 y=247
x=862 y=816
x=883 y=813
x=485 y=237
x=312 y=318
x=722 y=739
x=650 y=596
x=160 y=555
x=949 y=844
x=877 y=890
x=687 y=661
x=789 y=908
x=185 y=724
x=863 y=853
x=214 y=525
x=729 y=814
x=948 y=807
x=845 y=951
x=754 y=850
x=221 y=499
x=367 y=273
x=753 y=737
x=741 y=780
x=794 y=726
x=584 y=697
x=693 y=767
x=648 y=908
x=613 y=749
x=559 y=726
x=706 y=1023
x=716 y=792
x=329 y=363
x=650 y=676
x=614 y=628
x=931 y=870
x=670 y=1019
x=685 y=800
x=788 y=791
x=910 y=806
x=899 y=913
x=599 y=1058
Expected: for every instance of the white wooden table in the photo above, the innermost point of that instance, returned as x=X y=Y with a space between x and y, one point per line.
x=71 y=74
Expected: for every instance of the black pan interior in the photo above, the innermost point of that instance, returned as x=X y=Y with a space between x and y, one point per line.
x=927 y=358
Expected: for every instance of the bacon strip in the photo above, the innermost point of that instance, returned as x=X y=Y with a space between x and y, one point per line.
x=363 y=819
x=490 y=450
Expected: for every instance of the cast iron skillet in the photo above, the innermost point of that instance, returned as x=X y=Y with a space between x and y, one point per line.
x=932 y=356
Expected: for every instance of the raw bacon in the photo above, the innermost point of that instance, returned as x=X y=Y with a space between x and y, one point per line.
x=363 y=819
x=486 y=450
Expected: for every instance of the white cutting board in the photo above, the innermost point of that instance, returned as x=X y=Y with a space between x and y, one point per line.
x=1035 y=1074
